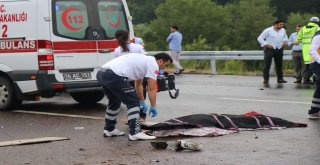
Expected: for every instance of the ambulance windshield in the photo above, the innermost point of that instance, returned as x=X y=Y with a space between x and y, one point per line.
x=88 y=19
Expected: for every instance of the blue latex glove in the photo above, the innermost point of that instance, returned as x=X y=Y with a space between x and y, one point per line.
x=153 y=112
x=144 y=106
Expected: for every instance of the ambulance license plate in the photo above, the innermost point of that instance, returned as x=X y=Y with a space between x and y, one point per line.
x=77 y=75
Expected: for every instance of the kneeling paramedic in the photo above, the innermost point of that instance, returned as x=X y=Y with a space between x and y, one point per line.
x=114 y=77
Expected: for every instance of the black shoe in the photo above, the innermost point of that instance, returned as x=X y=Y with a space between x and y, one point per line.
x=178 y=71
x=265 y=82
x=282 y=81
x=308 y=83
x=298 y=81
x=181 y=70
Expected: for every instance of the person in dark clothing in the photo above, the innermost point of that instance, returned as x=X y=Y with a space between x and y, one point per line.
x=297 y=54
x=314 y=112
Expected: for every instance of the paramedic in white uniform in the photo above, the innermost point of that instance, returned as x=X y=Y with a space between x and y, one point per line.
x=114 y=77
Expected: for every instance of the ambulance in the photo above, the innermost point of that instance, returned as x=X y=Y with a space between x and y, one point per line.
x=49 y=47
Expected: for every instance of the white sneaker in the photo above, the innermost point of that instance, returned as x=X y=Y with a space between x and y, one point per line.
x=141 y=136
x=115 y=132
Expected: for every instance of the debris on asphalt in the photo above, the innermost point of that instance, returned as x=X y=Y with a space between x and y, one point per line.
x=32 y=141
x=133 y=153
x=78 y=128
x=82 y=149
x=179 y=145
x=160 y=145
x=188 y=145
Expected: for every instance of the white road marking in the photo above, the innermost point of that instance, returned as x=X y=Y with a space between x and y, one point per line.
x=274 y=101
x=59 y=114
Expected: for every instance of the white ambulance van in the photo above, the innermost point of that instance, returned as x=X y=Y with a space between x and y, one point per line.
x=48 y=47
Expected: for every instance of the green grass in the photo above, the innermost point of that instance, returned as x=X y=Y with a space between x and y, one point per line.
x=232 y=67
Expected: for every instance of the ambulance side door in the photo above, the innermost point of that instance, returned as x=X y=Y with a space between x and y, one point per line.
x=72 y=49
x=112 y=16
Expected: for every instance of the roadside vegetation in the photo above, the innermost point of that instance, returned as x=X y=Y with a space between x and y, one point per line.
x=216 y=25
x=233 y=67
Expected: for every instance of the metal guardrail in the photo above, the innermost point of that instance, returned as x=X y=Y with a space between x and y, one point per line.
x=213 y=56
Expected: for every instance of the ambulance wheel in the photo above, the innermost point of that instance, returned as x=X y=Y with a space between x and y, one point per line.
x=8 y=99
x=87 y=97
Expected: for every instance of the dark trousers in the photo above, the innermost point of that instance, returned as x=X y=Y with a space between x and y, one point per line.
x=144 y=84
x=298 y=63
x=315 y=107
x=277 y=54
x=117 y=90
x=307 y=73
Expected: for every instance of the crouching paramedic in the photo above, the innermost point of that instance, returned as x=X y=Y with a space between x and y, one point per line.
x=314 y=112
x=114 y=77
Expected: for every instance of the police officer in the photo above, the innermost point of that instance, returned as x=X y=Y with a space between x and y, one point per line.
x=115 y=76
x=304 y=37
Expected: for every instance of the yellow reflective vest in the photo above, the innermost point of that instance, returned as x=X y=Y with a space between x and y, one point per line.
x=304 y=37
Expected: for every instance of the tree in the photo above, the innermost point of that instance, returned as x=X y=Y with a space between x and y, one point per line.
x=199 y=44
x=297 y=18
x=216 y=24
x=285 y=7
x=193 y=17
x=249 y=19
x=142 y=11
x=144 y=31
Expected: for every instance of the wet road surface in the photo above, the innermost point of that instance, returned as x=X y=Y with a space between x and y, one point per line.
x=83 y=125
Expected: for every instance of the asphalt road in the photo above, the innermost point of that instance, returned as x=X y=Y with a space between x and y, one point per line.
x=62 y=117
